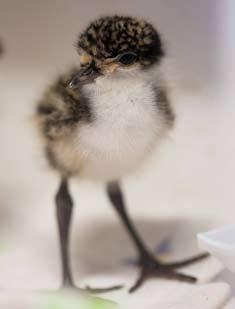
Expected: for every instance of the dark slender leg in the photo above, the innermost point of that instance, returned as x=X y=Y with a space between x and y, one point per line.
x=64 y=207
x=150 y=266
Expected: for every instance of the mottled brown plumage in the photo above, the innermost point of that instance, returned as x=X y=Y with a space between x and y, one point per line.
x=61 y=108
x=109 y=36
x=59 y=112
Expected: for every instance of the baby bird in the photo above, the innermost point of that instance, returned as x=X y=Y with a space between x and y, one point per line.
x=102 y=120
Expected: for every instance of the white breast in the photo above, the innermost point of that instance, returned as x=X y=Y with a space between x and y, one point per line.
x=126 y=126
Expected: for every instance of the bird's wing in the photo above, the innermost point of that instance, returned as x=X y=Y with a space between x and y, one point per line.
x=61 y=108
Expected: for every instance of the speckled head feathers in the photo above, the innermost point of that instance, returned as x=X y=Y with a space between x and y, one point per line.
x=110 y=36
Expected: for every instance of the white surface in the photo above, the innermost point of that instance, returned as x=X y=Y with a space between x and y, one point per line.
x=177 y=296
x=230 y=305
x=98 y=260
x=183 y=297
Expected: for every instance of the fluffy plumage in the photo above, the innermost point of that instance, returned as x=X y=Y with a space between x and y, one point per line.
x=106 y=128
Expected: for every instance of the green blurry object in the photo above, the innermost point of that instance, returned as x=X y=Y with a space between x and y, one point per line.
x=71 y=300
x=2 y=246
x=100 y=303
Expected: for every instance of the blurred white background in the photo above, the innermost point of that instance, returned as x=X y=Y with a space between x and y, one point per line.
x=191 y=176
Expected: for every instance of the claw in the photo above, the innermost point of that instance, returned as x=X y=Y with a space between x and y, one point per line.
x=168 y=274
x=143 y=277
x=103 y=290
x=151 y=268
x=92 y=290
x=188 y=261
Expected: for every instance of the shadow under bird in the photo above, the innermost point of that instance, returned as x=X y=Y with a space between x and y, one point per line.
x=102 y=120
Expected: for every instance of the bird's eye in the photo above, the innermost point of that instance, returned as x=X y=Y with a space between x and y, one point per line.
x=127 y=58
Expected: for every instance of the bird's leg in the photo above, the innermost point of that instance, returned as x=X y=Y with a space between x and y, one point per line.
x=64 y=207
x=149 y=266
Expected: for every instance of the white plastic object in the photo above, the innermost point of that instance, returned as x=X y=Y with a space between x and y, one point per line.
x=221 y=244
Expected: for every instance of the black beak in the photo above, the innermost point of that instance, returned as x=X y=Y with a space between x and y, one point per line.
x=83 y=76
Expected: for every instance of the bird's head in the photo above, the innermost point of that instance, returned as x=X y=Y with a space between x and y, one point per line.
x=116 y=44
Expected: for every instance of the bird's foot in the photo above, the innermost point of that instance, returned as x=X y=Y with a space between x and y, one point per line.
x=87 y=289
x=93 y=290
x=151 y=268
